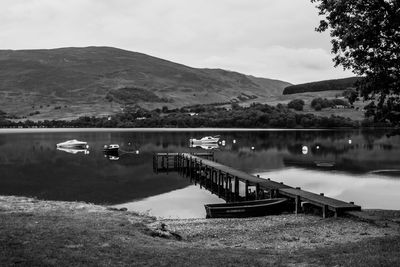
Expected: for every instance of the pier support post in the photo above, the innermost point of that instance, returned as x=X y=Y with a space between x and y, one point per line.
x=236 y=189
x=219 y=183
x=246 y=190
x=324 y=211
x=297 y=208
x=167 y=163
x=230 y=187
x=226 y=186
x=257 y=191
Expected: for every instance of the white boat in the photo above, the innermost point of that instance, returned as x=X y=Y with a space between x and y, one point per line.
x=73 y=144
x=205 y=140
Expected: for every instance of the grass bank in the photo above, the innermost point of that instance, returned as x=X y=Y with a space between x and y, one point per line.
x=49 y=233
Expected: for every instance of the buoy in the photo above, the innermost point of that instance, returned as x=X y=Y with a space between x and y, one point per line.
x=304 y=150
x=317 y=147
x=252 y=148
x=137 y=152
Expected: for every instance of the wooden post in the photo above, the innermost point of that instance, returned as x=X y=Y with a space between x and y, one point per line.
x=257 y=191
x=246 y=190
x=219 y=182
x=226 y=186
x=167 y=162
x=297 y=208
x=236 y=189
x=175 y=162
x=214 y=179
x=230 y=187
x=325 y=211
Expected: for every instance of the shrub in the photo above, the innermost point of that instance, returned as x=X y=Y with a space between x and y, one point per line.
x=296 y=104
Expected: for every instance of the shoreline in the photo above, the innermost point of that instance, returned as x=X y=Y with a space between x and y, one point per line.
x=39 y=232
x=166 y=129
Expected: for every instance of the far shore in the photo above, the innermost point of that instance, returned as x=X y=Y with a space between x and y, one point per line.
x=56 y=130
x=48 y=233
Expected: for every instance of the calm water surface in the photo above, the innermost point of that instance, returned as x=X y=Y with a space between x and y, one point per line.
x=360 y=166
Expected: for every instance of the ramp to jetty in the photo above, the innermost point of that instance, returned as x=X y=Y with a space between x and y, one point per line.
x=235 y=185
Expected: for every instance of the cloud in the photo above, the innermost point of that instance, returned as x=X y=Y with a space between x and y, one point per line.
x=274 y=38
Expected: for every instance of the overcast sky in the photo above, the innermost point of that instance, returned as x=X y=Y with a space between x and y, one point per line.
x=265 y=38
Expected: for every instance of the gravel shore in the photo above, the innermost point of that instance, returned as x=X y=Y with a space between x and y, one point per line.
x=74 y=232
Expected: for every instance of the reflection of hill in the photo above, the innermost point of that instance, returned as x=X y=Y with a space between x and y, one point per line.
x=97 y=181
x=30 y=165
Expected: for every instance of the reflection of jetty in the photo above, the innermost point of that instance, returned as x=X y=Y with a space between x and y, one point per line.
x=234 y=185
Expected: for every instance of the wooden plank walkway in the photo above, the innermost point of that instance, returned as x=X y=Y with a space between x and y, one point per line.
x=242 y=176
x=227 y=179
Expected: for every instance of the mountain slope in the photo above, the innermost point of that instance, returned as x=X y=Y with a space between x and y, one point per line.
x=69 y=82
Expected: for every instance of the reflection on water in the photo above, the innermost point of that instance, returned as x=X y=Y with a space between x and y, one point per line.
x=30 y=165
x=74 y=150
x=182 y=203
x=204 y=146
x=368 y=191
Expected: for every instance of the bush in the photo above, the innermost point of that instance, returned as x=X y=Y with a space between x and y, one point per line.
x=318 y=107
x=296 y=104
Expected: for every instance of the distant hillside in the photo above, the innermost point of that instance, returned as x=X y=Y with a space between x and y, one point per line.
x=68 y=82
x=328 y=85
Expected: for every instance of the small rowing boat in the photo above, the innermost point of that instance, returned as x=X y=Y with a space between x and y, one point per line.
x=246 y=208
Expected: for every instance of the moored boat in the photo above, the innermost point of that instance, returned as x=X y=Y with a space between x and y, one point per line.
x=73 y=144
x=111 y=148
x=205 y=140
x=246 y=208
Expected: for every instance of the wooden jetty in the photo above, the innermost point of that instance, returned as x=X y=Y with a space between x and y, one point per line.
x=235 y=185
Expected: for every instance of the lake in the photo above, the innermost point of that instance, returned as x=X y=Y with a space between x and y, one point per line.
x=352 y=165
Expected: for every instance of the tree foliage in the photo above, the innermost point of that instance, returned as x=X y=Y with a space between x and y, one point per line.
x=254 y=116
x=351 y=95
x=327 y=85
x=296 y=104
x=320 y=103
x=366 y=39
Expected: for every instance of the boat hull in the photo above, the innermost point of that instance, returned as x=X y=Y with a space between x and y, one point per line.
x=247 y=208
x=75 y=144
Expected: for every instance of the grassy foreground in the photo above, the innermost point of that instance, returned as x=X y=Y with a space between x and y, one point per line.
x=49 y=233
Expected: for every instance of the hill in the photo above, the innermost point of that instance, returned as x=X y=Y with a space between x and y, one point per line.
x=66 y=83
x=327 y=85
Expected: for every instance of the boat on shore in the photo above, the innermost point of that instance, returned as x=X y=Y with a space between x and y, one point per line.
x=246 y=208
x=73 y=144
x=205 y=140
